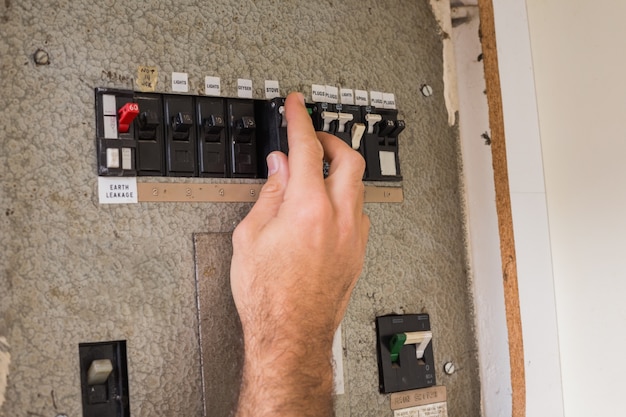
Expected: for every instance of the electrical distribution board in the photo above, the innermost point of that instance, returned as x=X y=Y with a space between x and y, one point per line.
x=153 y=134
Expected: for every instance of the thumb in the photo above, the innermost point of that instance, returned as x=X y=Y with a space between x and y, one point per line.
x=272 y=193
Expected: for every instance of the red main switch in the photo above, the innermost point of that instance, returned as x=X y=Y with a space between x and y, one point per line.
x=126 y=116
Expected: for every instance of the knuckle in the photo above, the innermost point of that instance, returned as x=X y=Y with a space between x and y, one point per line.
x=271 y=188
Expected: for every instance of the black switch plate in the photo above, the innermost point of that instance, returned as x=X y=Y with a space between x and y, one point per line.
x=409 y=372
x=242 y=137
x=212 y=134
x=109 y=138
x=380 y=148
x=149 y=130
x=110 y=399
x=272 y=134
x=180 y=136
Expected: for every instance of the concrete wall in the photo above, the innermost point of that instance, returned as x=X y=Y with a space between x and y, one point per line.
x=75 y=271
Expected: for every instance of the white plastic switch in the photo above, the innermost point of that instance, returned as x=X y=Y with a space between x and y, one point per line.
x=420 y=339
x=357 y=134
x=387 y=163
x=113 y=158
x=127 y=158
x=371 y=120
x=328 y=117
x=99 y=371
x=343 y=119
x=283 y=119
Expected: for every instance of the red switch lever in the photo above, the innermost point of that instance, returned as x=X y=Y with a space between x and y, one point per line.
x=126 y=116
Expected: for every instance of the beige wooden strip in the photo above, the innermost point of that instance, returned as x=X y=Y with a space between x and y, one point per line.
x=155 y=192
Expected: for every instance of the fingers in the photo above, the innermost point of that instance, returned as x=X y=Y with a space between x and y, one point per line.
x=344 y=182
x=272 y=194
x=305 y=150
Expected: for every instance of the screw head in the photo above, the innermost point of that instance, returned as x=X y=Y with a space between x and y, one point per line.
x=449 y=368
x=41 y=57
x=426 y=90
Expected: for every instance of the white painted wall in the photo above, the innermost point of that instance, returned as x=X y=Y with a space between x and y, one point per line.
x=579 y=62
x=530 y=221
x=482 y=220
x=530 y=218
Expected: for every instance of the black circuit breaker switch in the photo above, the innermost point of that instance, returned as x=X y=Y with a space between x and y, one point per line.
x=180 y=136
x=405 y=352
x=104 y=379
x=272 y=130
x=212 y=133
x=116 y=114
x=149 y=133
x=243 y=138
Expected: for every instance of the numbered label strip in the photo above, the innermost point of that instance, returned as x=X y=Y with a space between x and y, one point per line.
x=234 y=193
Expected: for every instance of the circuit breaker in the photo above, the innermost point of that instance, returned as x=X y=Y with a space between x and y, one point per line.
x=153 y=134
x=213 y=142
x=405 y=352
x=104 y=379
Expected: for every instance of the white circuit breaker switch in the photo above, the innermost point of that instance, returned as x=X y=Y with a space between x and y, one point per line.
x=113 y=158
x=387 y=163
x=372 y=119
x=99 y=371
x=343 y=119
x=420 y=340
x=328 y=117
x=357 y=134
x=283 y=119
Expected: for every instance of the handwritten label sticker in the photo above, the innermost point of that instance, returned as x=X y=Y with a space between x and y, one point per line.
x=212 y=86
x=318 y=93
x=147 y=77
x=346 y=95
x=389 y=101
x=244 y=88
x=430 y=410
x=180 y=82
x=376 y=98
x=361 y=98
x=272 y=89
x=117 y=190
x=332 y=94
x=418 y=397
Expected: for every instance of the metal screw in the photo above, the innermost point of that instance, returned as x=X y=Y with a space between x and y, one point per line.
x=427 y=90
x=449 y=368
x=41 y=57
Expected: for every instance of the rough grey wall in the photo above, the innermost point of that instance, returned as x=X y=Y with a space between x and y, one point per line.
x=74 y=271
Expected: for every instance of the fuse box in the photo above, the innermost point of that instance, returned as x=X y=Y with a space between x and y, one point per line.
x=153 y=134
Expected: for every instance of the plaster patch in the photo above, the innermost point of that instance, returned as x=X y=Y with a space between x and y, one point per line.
x=5 y=360
x=441 y=10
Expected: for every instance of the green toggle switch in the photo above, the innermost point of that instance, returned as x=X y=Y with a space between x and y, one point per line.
x=397 y=341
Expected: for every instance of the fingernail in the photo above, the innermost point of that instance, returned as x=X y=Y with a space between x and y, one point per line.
x=301 y=97
x=272 y=164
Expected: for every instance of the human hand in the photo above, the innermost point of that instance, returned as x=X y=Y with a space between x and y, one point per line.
x=296 y=259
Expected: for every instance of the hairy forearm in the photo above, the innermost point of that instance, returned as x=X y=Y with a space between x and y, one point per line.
x=296 y=259
x=288 y=375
